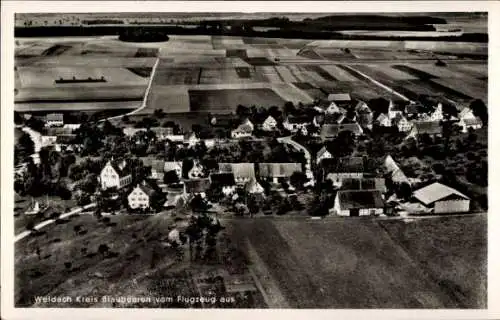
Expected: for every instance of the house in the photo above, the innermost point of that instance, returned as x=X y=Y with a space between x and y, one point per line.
x=295 y=123
x=224 y=181
x=354 y=203
x=277 y=171
x=334 y=108
x=466 y=113
x=174 y=200
x=269 y=124
x=162 y=133
x=115 y=175
x=437 y=114
x=173 y=166
x=245 y=129
x=393 y=171
x=54 y=120
x=364 y=184
x=383 y=120
x=140 y=197
x=394 y=110
x=330 y=131
x=431 y=128
x=47 y=140
x=72 y=126
x=130 y=132
x=191 y=139
x=243 y=171
x=442 y=199
x=402 y=123
x=466 y=124
x=253 y=187
x=196 y=186
x=66 y=142
x=342 y=98
x=323 y=153
x=362 y=107
x=337 y=169
x=196 y=171
x=157 y=167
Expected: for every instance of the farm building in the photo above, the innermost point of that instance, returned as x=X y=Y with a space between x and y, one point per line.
x=295 y=123
x=277 y=171
x=354 y=203
x=334 y=108
x=54 y=120
x=243 y=171
x=245 y=129
x=330 y=131
x=323 y=153
x=364 y=184
x=337 y=169
x=72 y=126
x=140 y=196
x=223 y=181
x=431 y=128
x=115 y=175
x=395 y=109
x=47 y=140
x=269 y=124
x=196 y=186
x=442 y=199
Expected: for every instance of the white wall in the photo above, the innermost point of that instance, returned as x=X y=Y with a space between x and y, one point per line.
x=452 y=206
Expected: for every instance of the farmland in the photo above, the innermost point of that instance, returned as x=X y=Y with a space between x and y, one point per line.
x=281 y=69
x=360 y=264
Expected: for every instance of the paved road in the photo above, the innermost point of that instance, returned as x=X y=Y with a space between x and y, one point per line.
x=45 y=223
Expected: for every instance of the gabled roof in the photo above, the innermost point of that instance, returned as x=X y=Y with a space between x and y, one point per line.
x=321 y=152
x=252 y=186
x=162 y=130
x=360 y=199
x=344 y=165
x=398 y=118
x=172 y=165
x=240 y=170
x=332 y=130
x=435 y=192
x=429 y=127
x=277 y=170
x=362 y=107
x=270 y=119
x=382 y=117
x=339 y=97
x=197 y=185
x=190 y=135
x=54 y=117
x=120 y=166
x=391 y=167
x=222 y=179
x=146 y=188
x=364 y=184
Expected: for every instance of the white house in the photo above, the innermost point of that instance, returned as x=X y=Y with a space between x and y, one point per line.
x=383 y=120
x=196 y=171
x=54 y=120
x=269 y=124
x=294 y=124
x=253 y=187
x=243 y=171
x=115 y=175
x=140 y=196
x=466 y=113
x=46 y=141
x=402 y=123
x=442 y=199
x=72 y=126
x=333 y=108
x=191 y=139
x=466 y=124
x=337 y=169
x=323 y=153
x=437 y=115
x=354 y=203
x=245 y=129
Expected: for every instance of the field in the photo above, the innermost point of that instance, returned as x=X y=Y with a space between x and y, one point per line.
x=356 y=263
x=294 y=69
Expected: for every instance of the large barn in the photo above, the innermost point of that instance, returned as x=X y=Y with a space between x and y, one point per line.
x=442 y=199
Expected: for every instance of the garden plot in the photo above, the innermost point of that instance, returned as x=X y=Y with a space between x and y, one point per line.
x=73 y=94
x=45 y=77
x=77 y=106
x=86 y=61
x=269 y=73
x=175 y=76
x=439 y=72
x=286 y=74
x=474 y=70
x=474 y=88
x=226 y=100
x=219 y=76
x=289 y=92
x=383 y=72
x=171 y=99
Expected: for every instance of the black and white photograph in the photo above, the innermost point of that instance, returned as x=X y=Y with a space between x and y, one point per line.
x=248 y=160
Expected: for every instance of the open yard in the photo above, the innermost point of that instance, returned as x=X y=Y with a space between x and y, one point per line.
x=356 y=263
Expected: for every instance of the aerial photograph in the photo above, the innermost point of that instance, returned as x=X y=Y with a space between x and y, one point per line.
x=251 y=160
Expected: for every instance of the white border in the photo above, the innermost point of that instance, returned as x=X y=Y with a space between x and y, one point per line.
x=7 y=255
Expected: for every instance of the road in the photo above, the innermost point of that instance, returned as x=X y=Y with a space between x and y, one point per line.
x=47 y=222
x=296 y=145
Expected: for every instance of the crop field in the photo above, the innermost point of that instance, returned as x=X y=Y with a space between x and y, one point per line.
x=359 y=264
x=226 y=100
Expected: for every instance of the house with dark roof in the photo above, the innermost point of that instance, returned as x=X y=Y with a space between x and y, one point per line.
x=115 y=174
x=224 y=181
x=196 y=186
x=323 y=153
x=355 y=203
x=54 y=120
x=140 y=197
x=157 y=167
x=277 y=171
x=330 y=131
x=243 y=171
x=364 y=184
x=431 y=128
x=337 y=169
x=442 y=199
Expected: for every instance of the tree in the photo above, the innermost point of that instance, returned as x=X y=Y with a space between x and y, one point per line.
x=30 y=225
x=157 y=200
x=67 y=265
x=77 y=228
x=242 y=111
x=170 y=177
x=25 y=146
x=480 y=110
x=289 y=108
x=297 y=179
x=103 y=249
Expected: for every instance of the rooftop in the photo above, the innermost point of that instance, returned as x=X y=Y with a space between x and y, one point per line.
x=435 y=192
x=276 y=170
x=360 y=199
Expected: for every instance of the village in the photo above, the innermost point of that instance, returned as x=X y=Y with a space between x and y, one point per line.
x=258 y=162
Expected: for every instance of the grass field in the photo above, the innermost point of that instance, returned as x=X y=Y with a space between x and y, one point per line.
x=345 y=263
x=225 y=101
